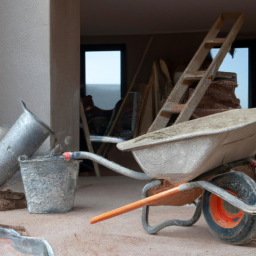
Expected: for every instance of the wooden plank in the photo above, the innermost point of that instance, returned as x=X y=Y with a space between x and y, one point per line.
x=87 y=137
x=176 y=109
x=155 y=91
x=226 y=75
x=165 y=70
x=166 y=84
x=214 y=42
x=195 y=76
x=126 y=96
x=148 y=114
x=143 y=106
x=161 y=84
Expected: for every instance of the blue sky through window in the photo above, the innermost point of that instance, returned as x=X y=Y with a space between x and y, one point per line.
x=238 y=65
x=103 y=77
x=103 y=67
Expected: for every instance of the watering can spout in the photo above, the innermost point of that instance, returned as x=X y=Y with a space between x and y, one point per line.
x=25 y=110
x=26 y=135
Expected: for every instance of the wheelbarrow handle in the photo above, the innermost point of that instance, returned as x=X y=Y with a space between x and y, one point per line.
x=135 y=205
x=111 y=165
x=237 y=202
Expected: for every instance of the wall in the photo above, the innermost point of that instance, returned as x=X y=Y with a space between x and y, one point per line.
x=39 y=63
x=24 y=59
x=176 y=49
x=65 y=72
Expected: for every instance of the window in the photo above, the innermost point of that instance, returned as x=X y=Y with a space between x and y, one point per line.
x=241 y=46
x=238 y=63
x=102 y=77
x=102 y=72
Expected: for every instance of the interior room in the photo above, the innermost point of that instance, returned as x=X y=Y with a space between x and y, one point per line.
x=110 y=108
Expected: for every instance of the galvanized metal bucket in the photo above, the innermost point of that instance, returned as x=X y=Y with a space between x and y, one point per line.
x=24 y=138
x=49 y=183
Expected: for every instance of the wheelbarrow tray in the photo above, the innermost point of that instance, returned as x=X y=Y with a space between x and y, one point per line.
x=182 y=152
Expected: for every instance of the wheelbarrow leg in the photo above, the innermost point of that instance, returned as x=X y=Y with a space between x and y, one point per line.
x=155 y=229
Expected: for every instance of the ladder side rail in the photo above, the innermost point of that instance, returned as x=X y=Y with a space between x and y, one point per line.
x=181 y=86
x=209 y=75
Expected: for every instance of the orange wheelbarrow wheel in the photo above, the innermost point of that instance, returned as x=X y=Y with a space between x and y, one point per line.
x=225 y=221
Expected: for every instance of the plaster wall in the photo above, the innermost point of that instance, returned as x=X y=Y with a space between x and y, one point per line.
x=65 y=72
x=24 y=59
x=39 y=64
x=176 y=49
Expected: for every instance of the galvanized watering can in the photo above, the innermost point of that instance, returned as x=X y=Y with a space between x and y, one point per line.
x=26 y=135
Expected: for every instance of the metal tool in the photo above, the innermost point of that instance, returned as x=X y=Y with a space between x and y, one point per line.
x=24 y=138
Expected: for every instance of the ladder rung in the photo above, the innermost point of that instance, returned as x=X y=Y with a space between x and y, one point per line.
x=194 y=76
x=174 y=109
x=214 y=42
x=177 y=95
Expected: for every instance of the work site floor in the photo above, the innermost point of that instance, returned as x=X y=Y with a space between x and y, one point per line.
x=72 y=234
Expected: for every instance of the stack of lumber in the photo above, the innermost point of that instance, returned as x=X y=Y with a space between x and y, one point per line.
x=156 y=92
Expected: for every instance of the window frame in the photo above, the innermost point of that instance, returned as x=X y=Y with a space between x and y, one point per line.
x=251 y=45
x=104 y=47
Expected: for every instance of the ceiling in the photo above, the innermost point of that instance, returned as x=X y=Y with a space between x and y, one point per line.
x=131 y=17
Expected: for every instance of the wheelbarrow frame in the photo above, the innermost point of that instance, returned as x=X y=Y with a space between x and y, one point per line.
x=251 y=209
x=198 y=182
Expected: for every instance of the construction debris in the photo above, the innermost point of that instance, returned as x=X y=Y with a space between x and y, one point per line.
x=219 y=97
x=12 y=200
x=27 y=245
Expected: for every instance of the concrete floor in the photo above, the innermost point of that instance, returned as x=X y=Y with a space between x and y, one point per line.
x=72 y=234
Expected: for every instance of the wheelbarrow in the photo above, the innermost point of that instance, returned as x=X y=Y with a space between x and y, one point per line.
x=193 y=162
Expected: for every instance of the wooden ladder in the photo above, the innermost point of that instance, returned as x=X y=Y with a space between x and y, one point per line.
x=192 y=73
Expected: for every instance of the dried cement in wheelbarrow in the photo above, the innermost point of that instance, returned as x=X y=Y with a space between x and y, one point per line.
x=49 y=183
x=181 y=152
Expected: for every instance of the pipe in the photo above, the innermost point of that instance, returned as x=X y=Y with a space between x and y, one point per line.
x=111 y=165
x=105 y=139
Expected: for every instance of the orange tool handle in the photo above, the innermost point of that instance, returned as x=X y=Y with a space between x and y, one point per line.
x=135 y=205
